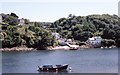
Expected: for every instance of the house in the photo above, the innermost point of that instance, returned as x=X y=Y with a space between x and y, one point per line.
x=62 y=41
x=70 y=41
x=0 y=18
x=56 y=35
x=95 y=41
x=21 y=21
x=46 y=24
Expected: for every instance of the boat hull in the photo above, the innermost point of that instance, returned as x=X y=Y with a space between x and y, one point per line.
x=62 y=68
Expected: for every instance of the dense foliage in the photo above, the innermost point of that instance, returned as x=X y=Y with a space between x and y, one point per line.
x=82 y=27
x=39 y=34
x=31 y=34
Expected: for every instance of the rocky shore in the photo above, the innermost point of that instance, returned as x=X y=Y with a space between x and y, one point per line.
x=17 y=49
x=51 y=48
x=68 y=47
x=48 y=48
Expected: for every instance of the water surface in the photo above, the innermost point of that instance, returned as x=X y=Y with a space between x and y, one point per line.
x=81 y=61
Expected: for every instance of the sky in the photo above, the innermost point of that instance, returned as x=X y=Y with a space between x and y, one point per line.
x=52 y=10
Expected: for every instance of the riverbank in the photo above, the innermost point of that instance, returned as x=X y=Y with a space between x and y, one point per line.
x=68 y=48
x=17 y=49
x=77 y=47
x=47 y=48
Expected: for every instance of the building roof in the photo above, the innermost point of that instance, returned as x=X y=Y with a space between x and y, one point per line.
x=94 y=38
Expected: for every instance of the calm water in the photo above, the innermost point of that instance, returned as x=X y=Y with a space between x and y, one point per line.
x=81 y=61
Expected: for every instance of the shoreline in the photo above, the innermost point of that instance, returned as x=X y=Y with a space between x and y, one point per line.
x=49 y=48
x=17 y=49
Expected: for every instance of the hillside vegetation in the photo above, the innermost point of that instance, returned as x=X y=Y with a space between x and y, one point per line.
x=39 y=34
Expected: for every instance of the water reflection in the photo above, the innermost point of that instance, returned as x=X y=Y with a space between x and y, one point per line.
x=61 y=71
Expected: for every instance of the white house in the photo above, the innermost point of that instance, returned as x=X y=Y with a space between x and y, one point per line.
x=70 y=41
x=95 y=41
x=56 y=35
x=0 y=18
x=21 y=21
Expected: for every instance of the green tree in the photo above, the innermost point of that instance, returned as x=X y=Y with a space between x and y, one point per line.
x=109 y=34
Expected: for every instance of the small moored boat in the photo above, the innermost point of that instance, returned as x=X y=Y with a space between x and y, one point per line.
x=73 y=48
x=53 y=68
